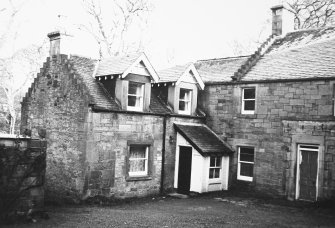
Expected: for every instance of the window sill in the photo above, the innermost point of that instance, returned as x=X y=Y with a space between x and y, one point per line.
x=138 y=178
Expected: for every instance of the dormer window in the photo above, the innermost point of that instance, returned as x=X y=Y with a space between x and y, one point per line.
x=135 y=96
x=185 y=101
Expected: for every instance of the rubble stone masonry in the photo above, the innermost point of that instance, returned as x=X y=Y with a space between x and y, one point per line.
x=57 y=102
x=266 y=130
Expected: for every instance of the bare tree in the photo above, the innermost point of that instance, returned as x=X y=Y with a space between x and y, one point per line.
x=110 y=28
x=313 y=13
x=16 y=73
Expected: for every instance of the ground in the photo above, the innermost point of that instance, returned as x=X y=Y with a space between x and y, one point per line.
x=210 y=210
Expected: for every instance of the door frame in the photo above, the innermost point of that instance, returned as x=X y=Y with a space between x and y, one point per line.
x=299 y=160
x=179 y=154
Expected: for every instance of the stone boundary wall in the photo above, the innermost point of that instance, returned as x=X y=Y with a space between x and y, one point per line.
x=22 y=173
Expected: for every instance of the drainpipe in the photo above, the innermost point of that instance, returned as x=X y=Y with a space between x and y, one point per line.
x=163 y=155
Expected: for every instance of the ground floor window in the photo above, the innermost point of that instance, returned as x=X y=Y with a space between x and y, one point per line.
x=138 y=160
x=214 y=167
x=245 y=166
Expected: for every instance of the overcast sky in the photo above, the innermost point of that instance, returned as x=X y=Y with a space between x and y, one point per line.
x=178 y=31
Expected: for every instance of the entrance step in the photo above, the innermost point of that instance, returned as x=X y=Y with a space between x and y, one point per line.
x=178 y=195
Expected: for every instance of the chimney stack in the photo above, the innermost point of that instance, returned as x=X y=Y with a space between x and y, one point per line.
x=60 y=43
x=54 y=38
x=282 y=20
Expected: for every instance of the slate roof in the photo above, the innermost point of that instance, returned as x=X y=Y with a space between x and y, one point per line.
x=219 y=70
x=116 y=65
x=172 y=74
x=99 y=96
x=298 y=55
x=203 y=139
x=157 y=106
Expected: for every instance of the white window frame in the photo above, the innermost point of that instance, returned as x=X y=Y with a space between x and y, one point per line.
x=141 y=95
x=188 y=102
x=239 y=176
x=243 y=101
x=215 y=167
x=146 y=158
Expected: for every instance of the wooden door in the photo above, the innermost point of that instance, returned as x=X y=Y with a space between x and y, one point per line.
x=184 y=170
x=308 y=172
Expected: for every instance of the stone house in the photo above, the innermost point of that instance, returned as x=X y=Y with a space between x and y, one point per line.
x=265 y=122
x=276 y=109
x=112 y=127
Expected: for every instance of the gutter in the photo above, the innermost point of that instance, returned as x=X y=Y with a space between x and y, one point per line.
x=271 y=81
x=100 y=109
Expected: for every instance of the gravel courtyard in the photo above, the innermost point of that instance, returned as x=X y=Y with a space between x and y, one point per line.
x=200 y=211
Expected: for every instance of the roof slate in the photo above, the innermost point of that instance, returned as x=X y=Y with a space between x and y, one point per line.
x=298 y=55
x=219 y=70
x=99 y=96
x=203 y=139
x=116 y=65
x=172 y=74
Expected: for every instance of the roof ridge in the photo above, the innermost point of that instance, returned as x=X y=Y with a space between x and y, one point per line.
x=311 y=29
x=218 y=59
x=324 y=40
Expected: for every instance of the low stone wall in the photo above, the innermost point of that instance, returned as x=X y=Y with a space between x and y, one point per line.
x=22 y=171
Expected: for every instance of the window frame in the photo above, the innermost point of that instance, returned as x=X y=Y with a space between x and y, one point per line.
x=249 y=112
x=141 y=97
x=239 y=176
x=146 y=158
x=188 y=103
x=216 y=167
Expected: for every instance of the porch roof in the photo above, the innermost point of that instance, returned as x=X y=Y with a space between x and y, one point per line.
x=204 y=139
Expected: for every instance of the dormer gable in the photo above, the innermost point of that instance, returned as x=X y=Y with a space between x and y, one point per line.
x=183 y=84
x=128 y=80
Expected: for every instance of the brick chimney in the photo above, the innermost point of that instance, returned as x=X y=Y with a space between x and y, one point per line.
x=60 y=43
x=282 y=20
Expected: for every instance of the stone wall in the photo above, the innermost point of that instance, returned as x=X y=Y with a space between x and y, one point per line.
x=275 y=102
x=22 y=171
x=57 y=102
x=109 y=135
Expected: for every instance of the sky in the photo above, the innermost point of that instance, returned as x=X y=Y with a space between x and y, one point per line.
x=176 y=32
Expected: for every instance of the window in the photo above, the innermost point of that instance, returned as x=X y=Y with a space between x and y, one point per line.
x=185 y=101
x=138 y=160
x=214 y=167
x=135 y=96
x=248 y=100
x=245 y=166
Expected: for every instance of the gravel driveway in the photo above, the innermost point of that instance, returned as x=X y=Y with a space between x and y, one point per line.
x=200 y=211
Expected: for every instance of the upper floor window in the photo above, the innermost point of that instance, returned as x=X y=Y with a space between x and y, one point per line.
x=135 y=96
x=248 y=100
x=214 y=167
x=185 y=101
x=245 y=165
x=138 y=160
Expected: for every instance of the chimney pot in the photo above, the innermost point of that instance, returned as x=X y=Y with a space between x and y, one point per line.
x=54 y=38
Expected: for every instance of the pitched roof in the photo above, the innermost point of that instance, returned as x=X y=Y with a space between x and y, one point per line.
x=203 y=139
x=116 y=65
x=122 y=65
x=172 y=74
x=176 y=73
x=99 y=97
x=298 y=55
x=157 y=106
x=219 y=70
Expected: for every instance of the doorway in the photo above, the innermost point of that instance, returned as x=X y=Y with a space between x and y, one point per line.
x=184 y=169
x=307 y=172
